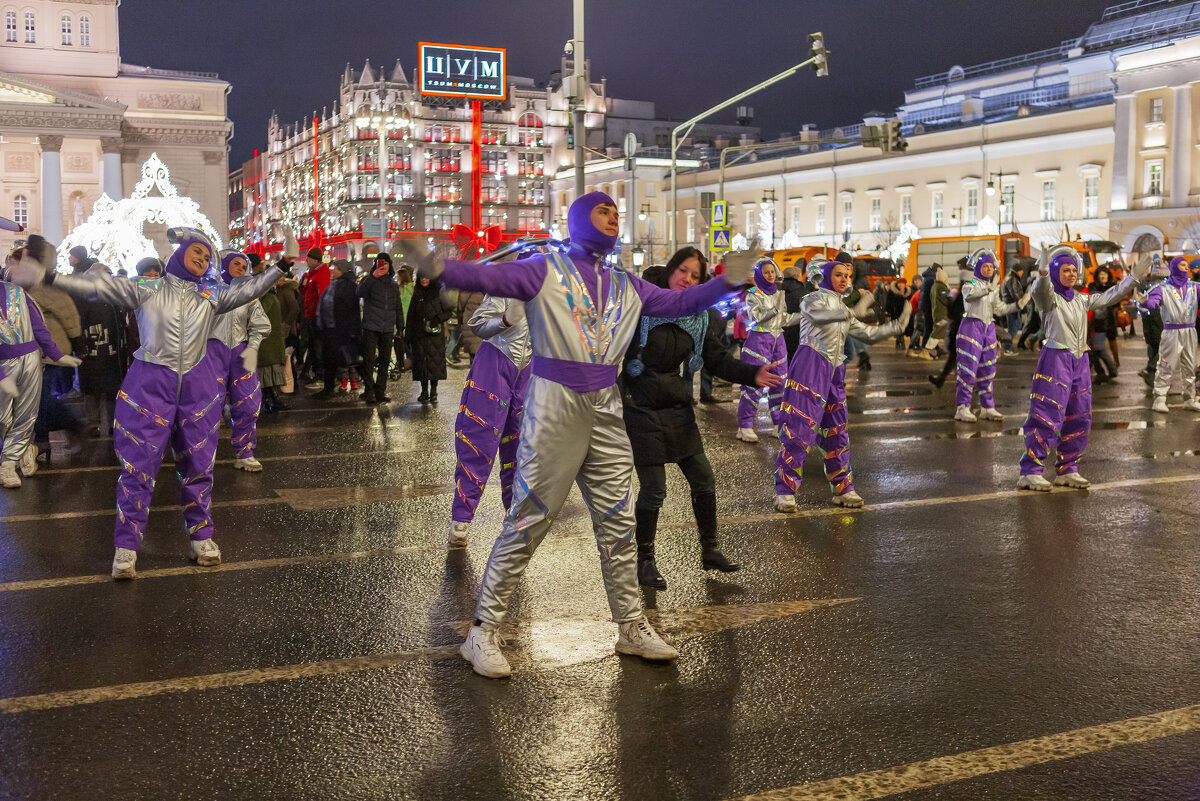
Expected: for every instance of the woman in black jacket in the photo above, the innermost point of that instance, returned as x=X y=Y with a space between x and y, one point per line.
x=659 y=416
x=424 y=331
x=382 y=322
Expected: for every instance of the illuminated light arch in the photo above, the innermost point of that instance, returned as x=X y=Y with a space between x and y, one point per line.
x=114 y=232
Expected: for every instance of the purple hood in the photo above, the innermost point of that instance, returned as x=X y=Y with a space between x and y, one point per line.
x=827 y=274
x=980 y=258
x=1059 y=258
x=183 y=238
x=580 y=228
x=227 y=258
x=760 y=281
x=1179 y=272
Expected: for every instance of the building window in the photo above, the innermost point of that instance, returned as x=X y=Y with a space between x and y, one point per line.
x=493 y=190
x=21 y=210
x=433 y=133
x=1047 y=200
x=531 y=164
x=10 y=26
x=796 y=219
x=30 y=28
x=751 y=220
x=1008 y=202
x=875 y=213
x=529 y=130
x=820 y=218
x=691 y=227
x=85 y=31
x=494 y=162
x=905 y=208
x=1154 y=177
x=66 y=29
x=530 y=220
x=1091 y=196
x=441 y=219
x=972 y=205
x=1156 y=109
x=937 y=209
x=847 y=215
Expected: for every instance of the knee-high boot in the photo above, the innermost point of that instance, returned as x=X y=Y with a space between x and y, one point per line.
x=705 y=507
x=647 y=527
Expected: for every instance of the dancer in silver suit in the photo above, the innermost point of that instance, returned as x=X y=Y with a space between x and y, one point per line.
x=1177 y=300
x=582 y=315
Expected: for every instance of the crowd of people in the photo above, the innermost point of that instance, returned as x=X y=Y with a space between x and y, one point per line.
x=570 y=357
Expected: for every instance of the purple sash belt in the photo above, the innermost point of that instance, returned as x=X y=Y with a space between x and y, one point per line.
x=578 y=376
x=17 y=351
x=1178 y=326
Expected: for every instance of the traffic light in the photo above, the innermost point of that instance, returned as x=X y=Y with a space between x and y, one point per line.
x=819 y=55
x=893 y=140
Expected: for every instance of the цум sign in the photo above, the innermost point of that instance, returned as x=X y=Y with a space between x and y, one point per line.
x=460 y=71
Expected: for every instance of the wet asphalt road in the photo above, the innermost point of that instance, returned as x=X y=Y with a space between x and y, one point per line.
x=949 y=616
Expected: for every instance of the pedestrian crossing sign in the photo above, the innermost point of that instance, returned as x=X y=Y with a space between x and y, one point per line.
x=720 y=213
x=718 y=239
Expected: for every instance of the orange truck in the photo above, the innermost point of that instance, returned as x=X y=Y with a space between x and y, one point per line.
x=875 y=269
x=1096 y=253
x=947 y=250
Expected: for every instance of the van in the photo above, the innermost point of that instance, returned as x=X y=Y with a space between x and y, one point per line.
x=947 y=250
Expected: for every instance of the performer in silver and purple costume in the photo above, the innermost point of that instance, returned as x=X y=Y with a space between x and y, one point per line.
x=1060 y=406
x=582 y=314
x=814 y=396
x=1176 y=300
x=170 y=396
x=976 y=340
x=765 y=314
x=233 y=349
x=489 y=414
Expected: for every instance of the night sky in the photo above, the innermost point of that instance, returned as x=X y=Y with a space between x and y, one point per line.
x=685 y=55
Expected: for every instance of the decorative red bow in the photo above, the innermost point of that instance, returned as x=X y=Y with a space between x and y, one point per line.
x=471 y=243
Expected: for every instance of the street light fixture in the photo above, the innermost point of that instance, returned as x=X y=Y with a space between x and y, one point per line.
x=768 y=199
x=644 y=212
x=818 y=60
x=992 y=180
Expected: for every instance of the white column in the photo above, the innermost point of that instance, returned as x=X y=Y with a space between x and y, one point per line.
x=1123 y=149
x=52 y=202
x=110 y=170
x=1181 y=148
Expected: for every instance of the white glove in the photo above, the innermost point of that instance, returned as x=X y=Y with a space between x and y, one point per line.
x=1044 y=262
x=27 y=273
x=864 y=306
x=1023 y=301
x=426 y=262
x=8 y=387
x=739 y=266
x=905 y=316
x=250 y=359
x=514 y=314
x=1141 y=268
x=69 y=361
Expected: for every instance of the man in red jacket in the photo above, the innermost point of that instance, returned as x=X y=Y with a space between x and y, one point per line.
x=314 y=282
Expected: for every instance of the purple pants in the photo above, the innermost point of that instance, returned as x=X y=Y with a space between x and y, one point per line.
x=489 y=422
x=244 y=394
x=1060 y=412
x=976 y=344
x=762 y=349
x=155 y=408
x=814 y=406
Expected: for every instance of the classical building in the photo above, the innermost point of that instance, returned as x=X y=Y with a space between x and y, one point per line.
x=1040 y=143
x=385 y=150
x=76 y=122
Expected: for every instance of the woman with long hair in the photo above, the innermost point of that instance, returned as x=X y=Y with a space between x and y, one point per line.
x=424 y=329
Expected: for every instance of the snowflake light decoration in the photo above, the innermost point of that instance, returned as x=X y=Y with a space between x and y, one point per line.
x=898 y=250
x=114 y=231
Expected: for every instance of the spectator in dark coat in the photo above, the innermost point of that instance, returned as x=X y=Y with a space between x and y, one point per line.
x=383 y=316
x=338 y=321
x=106 y=356
x=424 y=330
x=794 y=289
x=272 y=351
x=925 y=306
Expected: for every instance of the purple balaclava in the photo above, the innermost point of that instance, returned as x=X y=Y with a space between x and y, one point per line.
x=580 y=228
x=980 y=258
x=1060 y=257
x=184 y=238
x=827 y=274
x=760 y=281
x=1179 y=274
x=227 y=258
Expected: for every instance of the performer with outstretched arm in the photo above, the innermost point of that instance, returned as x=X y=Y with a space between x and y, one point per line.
x=582 y=314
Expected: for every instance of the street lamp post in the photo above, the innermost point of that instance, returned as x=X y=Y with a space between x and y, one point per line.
x=819 y=60
x=380 y=120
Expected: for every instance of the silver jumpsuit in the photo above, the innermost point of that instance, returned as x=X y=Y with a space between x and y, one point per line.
x=1178 y=345
x=19 y=413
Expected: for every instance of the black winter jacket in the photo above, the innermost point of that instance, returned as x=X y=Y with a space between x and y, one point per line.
x=658 y=403
x=381 y=308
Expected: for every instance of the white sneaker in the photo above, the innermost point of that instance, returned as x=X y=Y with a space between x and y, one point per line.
x=1192 y=405
x=29 y=463
x=123 y=564
x=1072 y=480
x=638 y=638
x=964 y=413
x=851 y=500
x=205 y=552
x=249 y=464
x=986 y=413
x=8 y=475
x=1034 y=482
x=458 y=534
x=482 y=650
x=1159 y=405
x=785 y=503
x=747 y=435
